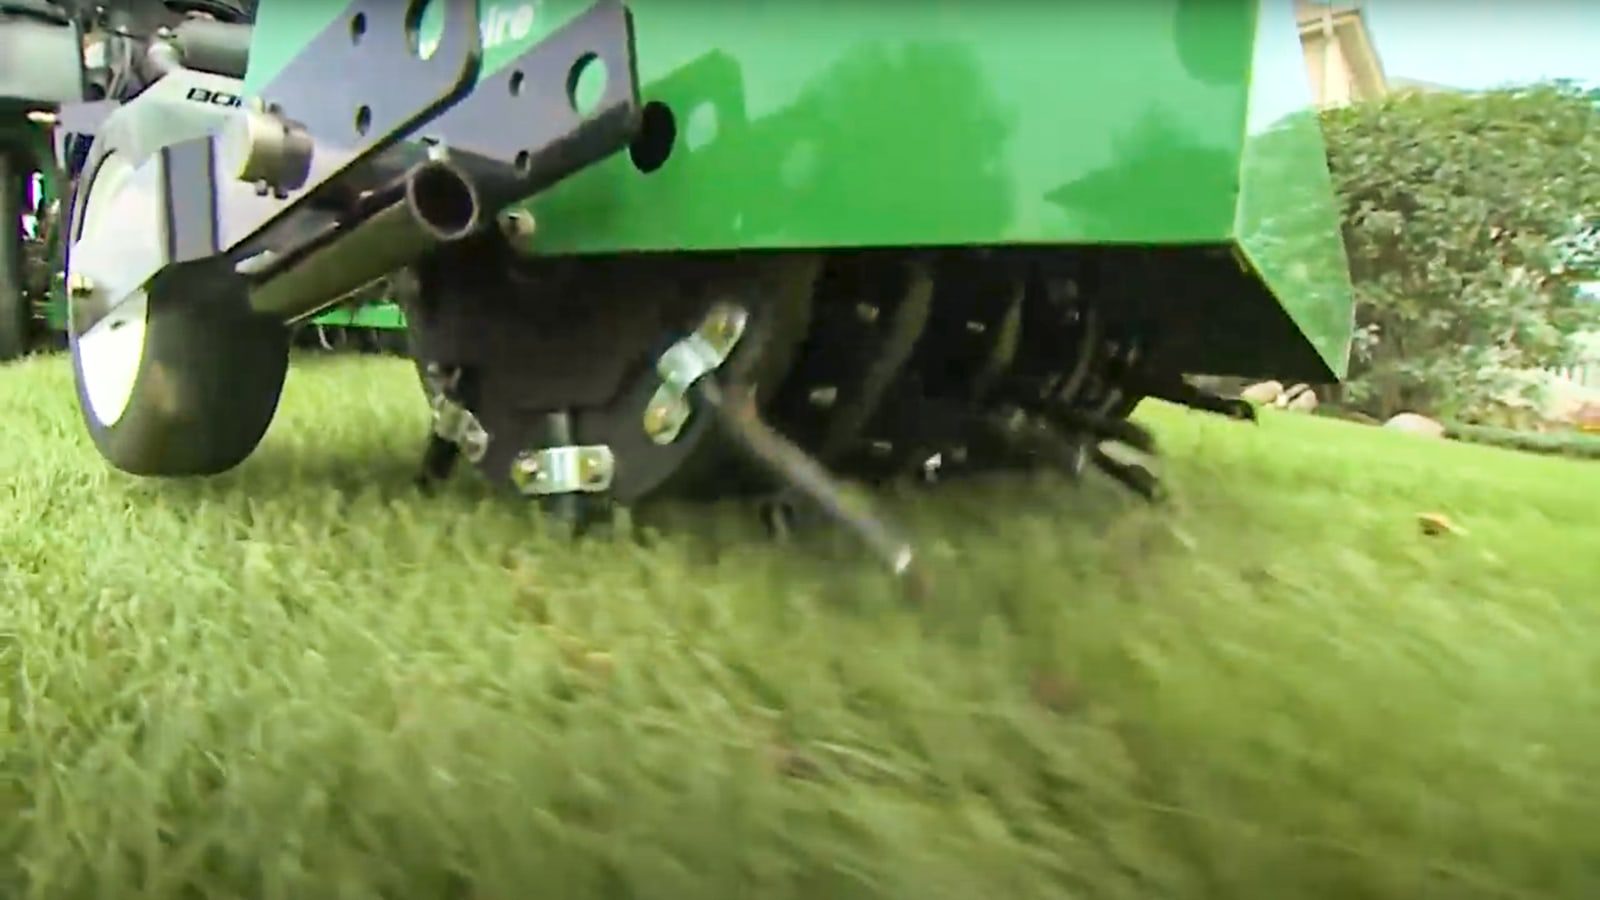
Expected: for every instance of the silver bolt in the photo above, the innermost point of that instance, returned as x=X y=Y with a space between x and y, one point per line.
x=589 y=470
x=525 y=468
x=517 y=224
x=881 y=448
x=79 y=285
x=823 y=397
x=721 y=325
x=975 y=327
x=866 y=312
x=657 y=420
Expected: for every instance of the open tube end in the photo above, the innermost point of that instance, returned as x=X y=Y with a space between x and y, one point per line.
x=443 y=200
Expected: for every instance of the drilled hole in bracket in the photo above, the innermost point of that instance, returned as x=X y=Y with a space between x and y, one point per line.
x=425 y=21
x=586 y=83
x=358 y=27
x=517 y=79
x=363 y=120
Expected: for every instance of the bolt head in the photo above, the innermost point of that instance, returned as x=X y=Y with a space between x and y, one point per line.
x=526 y=466
x=518 y=225
x=721 y=325
x=79 y=284
x=588 y=469
x=656 y=420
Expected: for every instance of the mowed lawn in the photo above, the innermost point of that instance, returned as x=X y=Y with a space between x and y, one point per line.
x=303 y=680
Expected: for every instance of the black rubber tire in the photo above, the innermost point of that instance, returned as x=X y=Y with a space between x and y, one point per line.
x=206 y=390
x=16 y=315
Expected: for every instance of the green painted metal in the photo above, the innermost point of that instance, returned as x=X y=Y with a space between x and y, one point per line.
x=367 y=315
x=850 y=124
x=1288 y=221
x=845 y=124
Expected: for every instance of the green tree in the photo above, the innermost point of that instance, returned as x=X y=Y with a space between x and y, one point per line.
x=1465 y=218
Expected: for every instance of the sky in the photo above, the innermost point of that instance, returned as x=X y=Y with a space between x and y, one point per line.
x=1482 y=43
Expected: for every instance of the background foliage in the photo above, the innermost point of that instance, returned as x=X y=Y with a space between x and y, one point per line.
x=1470 y=220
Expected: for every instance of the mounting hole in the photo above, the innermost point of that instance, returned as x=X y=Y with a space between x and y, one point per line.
x=425 y=26
x=586 y=84
x=358 y=27
x=363 y=120
x=517 y=78
x=658 y=131
x=523 y=162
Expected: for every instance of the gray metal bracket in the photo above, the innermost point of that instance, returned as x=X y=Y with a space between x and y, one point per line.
x=701 y=352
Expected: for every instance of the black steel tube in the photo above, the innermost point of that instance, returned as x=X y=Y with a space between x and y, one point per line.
x=221 y=48
x=438 y=204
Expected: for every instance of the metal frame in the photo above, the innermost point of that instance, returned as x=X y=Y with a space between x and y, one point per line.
x=341 y=92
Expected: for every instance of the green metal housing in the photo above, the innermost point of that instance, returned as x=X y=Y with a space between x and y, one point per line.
x=777 y=125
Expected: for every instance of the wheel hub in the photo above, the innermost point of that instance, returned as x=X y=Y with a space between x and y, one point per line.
x=120 y=215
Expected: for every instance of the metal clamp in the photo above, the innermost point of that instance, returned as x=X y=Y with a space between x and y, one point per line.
x=686 y=362
x=564 y=470
x=452 y=421
x=456 y=424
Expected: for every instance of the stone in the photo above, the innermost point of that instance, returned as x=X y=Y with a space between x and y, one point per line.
x=1412 y=423
x=1588 y=418
x=1305 y=401
x=1435 y=524
x=1285 y=398
x=1263 y=393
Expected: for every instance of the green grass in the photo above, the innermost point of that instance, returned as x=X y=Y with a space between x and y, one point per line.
x=302 y=680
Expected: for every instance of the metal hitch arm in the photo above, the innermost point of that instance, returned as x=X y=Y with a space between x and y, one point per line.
x=359 y=143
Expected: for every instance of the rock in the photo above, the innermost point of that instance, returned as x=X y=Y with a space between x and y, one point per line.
x=1588 y=418
x=1434 y=524
x=1412 y=423
x=1290 y=395
x=1305 y=401
x=1263 y=393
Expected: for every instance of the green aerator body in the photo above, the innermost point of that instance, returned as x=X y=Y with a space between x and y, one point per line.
x=702 y=246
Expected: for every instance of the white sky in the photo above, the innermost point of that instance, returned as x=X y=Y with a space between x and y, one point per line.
x=1484 y=43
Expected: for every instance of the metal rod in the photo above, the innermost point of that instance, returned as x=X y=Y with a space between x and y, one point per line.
x=558 y=427
x=736 y=412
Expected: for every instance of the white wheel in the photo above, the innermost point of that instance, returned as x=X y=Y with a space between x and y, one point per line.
x=108 y=353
